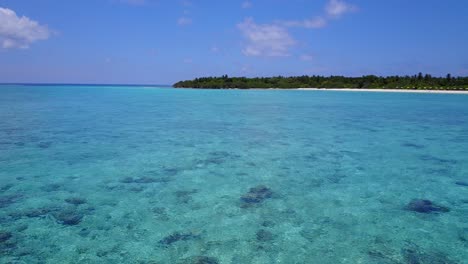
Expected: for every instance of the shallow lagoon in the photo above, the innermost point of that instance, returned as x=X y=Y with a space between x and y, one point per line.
x=157 y=175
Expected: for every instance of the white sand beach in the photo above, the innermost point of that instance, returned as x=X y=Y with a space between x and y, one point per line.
x=386 y=90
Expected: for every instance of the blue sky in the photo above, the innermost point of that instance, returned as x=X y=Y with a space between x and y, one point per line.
x=162 y=41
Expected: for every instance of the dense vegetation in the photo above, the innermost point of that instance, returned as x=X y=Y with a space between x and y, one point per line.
x=419 y=81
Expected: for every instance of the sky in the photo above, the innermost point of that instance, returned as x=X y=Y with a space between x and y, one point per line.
x=164 y=41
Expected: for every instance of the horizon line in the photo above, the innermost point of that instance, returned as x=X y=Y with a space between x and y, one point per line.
x=89 y=84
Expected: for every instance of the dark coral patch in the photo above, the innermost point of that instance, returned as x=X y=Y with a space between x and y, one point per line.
x=127 y=180
x=414 y=255
x=5 y=236
x=136 y=189
x=6 y=187
x=462 y=183
x=7 y=243
x=263 y=235
x=75 y=200
x=463 y=235
x=425 y=206
x=178 y=236
x=256 y=195
x=412 y=145
x=44 y=145
x=53 y=187
x=68 y=217
x=434 y=159
x=170 y=171
x=217 y=158
x=7 y=200
x=145 y=180
x=185 y=196
x=152 y=180
x=39 y=212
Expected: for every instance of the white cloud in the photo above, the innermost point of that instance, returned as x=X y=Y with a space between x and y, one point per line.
x=246 y=4
x=337 y=8
x=266 y=39
x=274 y=39
x=318 y=22
x=183 y=21
x=19 y=32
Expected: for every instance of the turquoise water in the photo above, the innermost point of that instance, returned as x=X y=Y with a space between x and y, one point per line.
x=158 y=175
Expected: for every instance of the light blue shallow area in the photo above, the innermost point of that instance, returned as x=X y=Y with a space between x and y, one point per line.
x=158 y=175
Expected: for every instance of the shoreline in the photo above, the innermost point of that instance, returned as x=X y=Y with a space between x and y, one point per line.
x=384 y=90
x=339 y=90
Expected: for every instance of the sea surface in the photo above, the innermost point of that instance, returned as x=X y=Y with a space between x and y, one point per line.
x=101 y=174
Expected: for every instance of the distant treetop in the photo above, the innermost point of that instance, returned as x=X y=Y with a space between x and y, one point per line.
x=419 y=81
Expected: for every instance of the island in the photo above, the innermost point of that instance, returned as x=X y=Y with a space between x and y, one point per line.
x=415 y=82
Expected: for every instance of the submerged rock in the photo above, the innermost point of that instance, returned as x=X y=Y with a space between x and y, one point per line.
x=75 y=200
x=7 y=200
x=414 y=255
x=7 y=243
x=430 y=158
x=425 y=206
x=177 y=236
x=136 y=189
x=6 y=187
x=462 y=183
x=5 y=236
x=44 y=145
x=413 y=145
x=68 y=217
x=264 y=235
x=256 y=195
x=127 y=180
x=145 y=180
x=170 y=171
x=463 y=235
x=39 y=212
x=268 y=223
x=53 y=187
x=185 y=196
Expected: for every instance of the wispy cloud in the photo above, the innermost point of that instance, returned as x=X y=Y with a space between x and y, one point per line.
x=318 y=22
x=214 y=49
x=134 y=2
x=20 y=32
x=184 y=21
x=246 y=4
x=186 y=3
x=334 y=9
x=268 y=40
x=337 y=8
x=274 y=39
x=306 y=57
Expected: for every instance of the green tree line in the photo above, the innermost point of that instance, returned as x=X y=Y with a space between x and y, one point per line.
x=419 y=81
